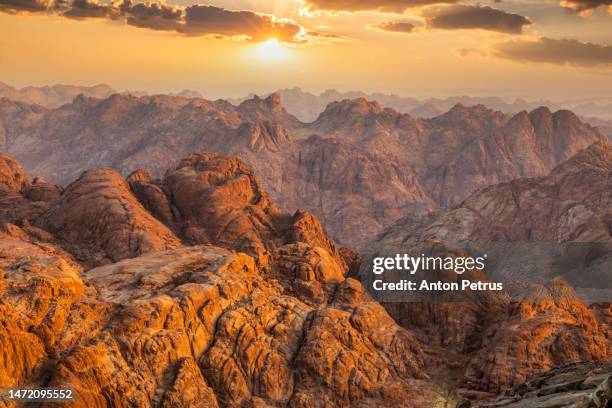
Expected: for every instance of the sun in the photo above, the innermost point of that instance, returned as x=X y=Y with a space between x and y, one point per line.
x=271 y=50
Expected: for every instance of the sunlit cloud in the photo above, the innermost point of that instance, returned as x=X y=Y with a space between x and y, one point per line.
x=194 y=20
x=585 y=7
x=461 y=17
x=400 y=26
x=546 y=50
x=393 y=6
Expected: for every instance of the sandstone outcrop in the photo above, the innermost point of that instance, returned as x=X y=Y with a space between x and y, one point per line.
x=38 y=289
x=220 y=202
x=202 y=322
x=202 y=325
x=534 y=337
x=211 y=199
x=99 y=220
x=21 y=201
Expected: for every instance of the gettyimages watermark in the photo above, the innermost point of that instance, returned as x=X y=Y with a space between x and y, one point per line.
x=515 y=271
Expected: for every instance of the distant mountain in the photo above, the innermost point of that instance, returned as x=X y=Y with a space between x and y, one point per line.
x=307 y=106
x=604 y=125
x=359 y=166
x=57 y=95
x=53 y=96
x=600 y=108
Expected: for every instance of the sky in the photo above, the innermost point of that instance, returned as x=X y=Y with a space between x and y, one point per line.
x=229 y=48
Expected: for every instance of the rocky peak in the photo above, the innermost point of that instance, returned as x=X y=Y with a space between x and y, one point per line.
x=12 y=175
x=541 y=116
x=221 y=202
x=81 y=101
x=273 y=101
x=269 y=104
x=263 y=135
x=351 y=107
x=477 y=116
x=269 y=108
x=566 y=117
x=100 y=220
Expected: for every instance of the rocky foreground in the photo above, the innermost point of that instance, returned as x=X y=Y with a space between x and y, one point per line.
x=195 y=289
x=132 y=309
x=575 y=385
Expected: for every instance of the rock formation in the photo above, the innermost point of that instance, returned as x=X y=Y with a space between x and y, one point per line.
x=100 y=220
x=163 y=323
x=502 y=341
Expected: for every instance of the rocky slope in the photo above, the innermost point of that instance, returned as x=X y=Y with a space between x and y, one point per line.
x=161 y=322
x=500 y=341
x=358 y=167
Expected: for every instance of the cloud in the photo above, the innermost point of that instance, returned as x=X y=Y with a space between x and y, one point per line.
x=395 y=26
x=458 y=16
x=82 y=9
x=561 y=52
x=195 y=20
x=200 y=19
x=16 y=6
x=155 y=16
x=581 y=6
x=395 y=6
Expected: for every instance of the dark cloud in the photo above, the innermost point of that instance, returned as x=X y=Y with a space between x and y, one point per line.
x=16 y=6
x=155 y=16
x=584 y=5
x=396 y=6
x=82 y=9
x=562 y=52
x=395 y=26
x=200 y=19
x=195 y=20
x=475 y=17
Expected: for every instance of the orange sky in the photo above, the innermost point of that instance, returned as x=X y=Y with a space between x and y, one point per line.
x=513 y=48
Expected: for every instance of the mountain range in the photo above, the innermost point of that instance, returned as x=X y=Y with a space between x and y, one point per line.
x=358 y=167
x=307 y=106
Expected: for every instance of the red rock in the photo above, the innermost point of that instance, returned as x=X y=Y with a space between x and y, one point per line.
x=99 y=220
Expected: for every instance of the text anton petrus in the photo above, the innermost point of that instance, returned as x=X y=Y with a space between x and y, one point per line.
x=406 y=264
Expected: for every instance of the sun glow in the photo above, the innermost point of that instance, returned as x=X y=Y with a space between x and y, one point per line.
x=271 y=50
